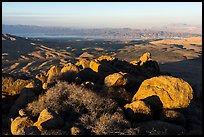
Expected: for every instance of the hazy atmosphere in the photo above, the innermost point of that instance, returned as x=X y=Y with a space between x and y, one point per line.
x=101 y=14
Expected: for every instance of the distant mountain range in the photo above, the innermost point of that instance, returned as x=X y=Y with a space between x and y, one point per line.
x=105 y=32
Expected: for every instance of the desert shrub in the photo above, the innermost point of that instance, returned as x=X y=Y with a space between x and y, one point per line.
x=97 y=113
x=54 y=132
x=64 y=95
x=110 y=124
x=154 y=131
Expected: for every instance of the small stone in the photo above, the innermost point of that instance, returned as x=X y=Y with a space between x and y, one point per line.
x=22 y=112
x=75 y=131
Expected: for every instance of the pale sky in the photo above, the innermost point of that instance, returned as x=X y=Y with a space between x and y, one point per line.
x=101 y=14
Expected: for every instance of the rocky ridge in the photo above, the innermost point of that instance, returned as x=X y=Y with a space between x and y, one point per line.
x=85 y=97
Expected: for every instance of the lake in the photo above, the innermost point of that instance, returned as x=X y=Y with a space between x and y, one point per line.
x=60 y=36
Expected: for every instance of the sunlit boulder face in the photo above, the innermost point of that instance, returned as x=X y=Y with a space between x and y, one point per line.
x=145 y=57
x=53 y=72
x=116 y=79
x=107 y=58
x=103 y=68
x=84 y=63
x=41 y=77
x=19 y=124
x=69 y=67
x=138 y=111
x=48 y=119
x=173 y=92
x=94 y=66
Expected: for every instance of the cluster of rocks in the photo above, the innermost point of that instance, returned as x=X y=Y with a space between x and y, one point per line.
x=150 y=96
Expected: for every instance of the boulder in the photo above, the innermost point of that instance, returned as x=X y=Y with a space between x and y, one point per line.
x=135 y=62
x=173 y=92
x=94 y=66
x=88 y=74
x=7 y=103
x=173 y=116
x=138 y=111
x=107 y=58
x=26 y=96
x=52 y=73
x=32 y=130
x=22 y=112
x=84 y=63
x=119 y=94
x=41 y=77
x=48 y=119
x=89 y=85
x=75 y=131
x=133 y=82
x=145 y=57
x=44 y=86
x=116 y=79
x=68 y=76
x=19 y=124
x=155 y=104
x=149 y=69
x=69 y=67
x=103 y=68
x=123 y=66
x=35 y=85
x=54 y=70
x=78 y=80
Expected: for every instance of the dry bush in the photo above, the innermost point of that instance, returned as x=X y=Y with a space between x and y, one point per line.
x=64 y=95
x=54 y=132
x=109 y=124
x=95 y=112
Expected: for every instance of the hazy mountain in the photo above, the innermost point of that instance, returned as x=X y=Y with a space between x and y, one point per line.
x=106 y=32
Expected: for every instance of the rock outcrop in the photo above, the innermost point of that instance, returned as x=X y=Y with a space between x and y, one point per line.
x=91 y=94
